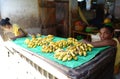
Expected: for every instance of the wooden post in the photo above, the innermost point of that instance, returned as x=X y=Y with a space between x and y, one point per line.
x=73 y=14
x=70 y=18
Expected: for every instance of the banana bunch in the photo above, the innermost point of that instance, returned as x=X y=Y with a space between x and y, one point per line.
x=62 y=43
x=43 y=42
x=46 y=40
x=47 y=48
x=33 y=36
x=63 y=55
x=32 y=43
x=49 y=37
x=50 y=48
x=80 y=48
x=72 y=51
x=38 y=41
x=27 y=41
x=38 y=35
x=71 y=41
x=54 y=46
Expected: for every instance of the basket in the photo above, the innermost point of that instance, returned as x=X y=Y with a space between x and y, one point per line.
x=91 y=29
x=79 y=26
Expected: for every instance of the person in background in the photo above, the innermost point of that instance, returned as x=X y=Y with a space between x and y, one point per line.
x=14 y=28
x=106 y=35
x=99 y=18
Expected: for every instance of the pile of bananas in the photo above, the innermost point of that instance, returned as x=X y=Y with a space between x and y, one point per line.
x=72 y=48
x=38 y=41
x=72 y=51
x=63 y=55
x=80 y=48
x=31 y=43
x=62 y=43
x=53 y=46
x=50 y=48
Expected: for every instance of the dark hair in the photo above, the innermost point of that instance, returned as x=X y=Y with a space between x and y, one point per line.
x=5 y=21
x=110 y=28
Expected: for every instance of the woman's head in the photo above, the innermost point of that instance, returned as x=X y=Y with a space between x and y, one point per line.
x=106 y=32
x=5 y=24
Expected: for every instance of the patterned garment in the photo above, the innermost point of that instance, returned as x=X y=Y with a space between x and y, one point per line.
x=117 y=60
x=16 y=29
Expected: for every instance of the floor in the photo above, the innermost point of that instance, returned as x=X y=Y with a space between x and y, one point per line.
x=15 y=68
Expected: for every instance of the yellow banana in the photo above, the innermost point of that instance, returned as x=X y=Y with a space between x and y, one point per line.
x=90 y=45
x=65 y=58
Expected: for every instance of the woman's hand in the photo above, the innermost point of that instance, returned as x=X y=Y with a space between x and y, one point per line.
x=14 y=38
x=84 y=41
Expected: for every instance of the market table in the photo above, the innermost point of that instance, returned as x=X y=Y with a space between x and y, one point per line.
x=99 y=66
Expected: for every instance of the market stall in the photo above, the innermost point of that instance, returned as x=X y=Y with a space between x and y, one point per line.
x=98 y=64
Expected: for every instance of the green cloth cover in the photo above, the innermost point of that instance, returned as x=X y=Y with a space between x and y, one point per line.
x=72 y=63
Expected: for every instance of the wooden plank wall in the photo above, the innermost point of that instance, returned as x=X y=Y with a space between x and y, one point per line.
x=57 y=16
x=62 y=19
x=47 y=17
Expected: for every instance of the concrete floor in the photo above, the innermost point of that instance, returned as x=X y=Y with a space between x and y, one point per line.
x=14 y=67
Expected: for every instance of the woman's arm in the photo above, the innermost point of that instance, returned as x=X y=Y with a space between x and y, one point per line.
x=102 y=43
x=22 y=34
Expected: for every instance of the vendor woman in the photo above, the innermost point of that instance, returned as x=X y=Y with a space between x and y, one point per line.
x=14 y=28
x=106 y=39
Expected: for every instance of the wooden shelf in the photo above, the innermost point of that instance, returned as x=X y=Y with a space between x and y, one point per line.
x=85 y=35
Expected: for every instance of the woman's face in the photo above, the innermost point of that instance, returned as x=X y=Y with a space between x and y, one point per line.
x=105 y=34
x=6 y=28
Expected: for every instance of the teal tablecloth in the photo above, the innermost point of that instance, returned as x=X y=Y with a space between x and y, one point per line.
x=72 y=64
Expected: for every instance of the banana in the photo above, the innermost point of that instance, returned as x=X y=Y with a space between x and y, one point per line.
x=90 y=45
x=60 y=58
x=69 y=57
x=82 y=47
x=80 y=53
x=65 y=58
x=75 y=57
x=89 y=48
x=72 y=54
x=84 y=53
